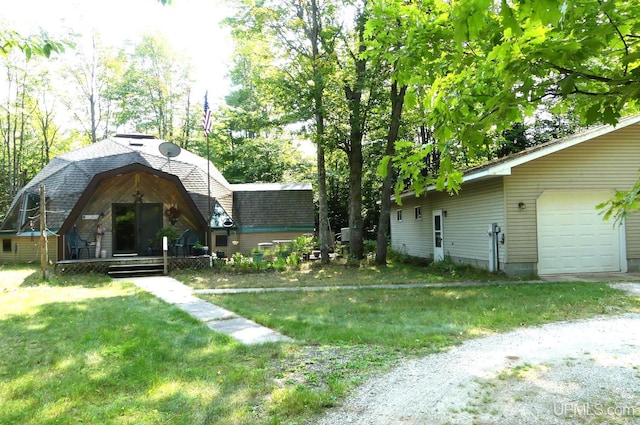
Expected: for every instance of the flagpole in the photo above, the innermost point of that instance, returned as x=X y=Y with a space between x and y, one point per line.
x=209 y=196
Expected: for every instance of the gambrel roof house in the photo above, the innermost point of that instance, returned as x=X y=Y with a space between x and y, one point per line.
x=132 y=189
x=533 y=212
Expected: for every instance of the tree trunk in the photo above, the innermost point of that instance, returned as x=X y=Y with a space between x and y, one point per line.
x=397 y=102
x=354 y=152
x=356 y=243
x=318 y=93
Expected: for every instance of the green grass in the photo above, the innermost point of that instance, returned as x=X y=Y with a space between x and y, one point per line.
x=336 y=274
x=84 y=349
x=110 y=354
x=422 y=318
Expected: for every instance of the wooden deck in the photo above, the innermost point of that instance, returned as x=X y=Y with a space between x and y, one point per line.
x=128 y=266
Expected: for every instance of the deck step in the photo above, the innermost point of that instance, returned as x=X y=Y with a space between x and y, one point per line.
x=136 y=269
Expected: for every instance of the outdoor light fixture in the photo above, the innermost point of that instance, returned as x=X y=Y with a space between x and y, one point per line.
x=522 y=205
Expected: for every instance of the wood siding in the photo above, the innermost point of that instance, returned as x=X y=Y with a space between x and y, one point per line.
x=607 y=162
x=26 y=250
x=121 y=189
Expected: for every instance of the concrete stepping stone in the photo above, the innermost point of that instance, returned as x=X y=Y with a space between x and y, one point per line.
x=216 y=318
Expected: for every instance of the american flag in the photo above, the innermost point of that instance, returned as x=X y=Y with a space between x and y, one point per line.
x=206 y=117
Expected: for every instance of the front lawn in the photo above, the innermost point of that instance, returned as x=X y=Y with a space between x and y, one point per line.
x=337 y=273
x=85 y=349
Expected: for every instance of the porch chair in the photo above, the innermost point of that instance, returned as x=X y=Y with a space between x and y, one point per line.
x=75 y=245
x=190 y=239
x=180 y=243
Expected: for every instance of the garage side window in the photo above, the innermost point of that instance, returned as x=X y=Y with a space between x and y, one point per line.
x=417 y=212
x=398 y=215
x=6 y=245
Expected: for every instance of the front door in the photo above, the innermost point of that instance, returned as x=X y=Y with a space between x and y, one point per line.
x=438 y=229
x=135 y=227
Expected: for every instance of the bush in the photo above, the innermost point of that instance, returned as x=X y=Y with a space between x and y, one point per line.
x=370 y=246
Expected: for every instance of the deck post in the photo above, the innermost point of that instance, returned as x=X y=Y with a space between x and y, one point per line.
x=165 y=248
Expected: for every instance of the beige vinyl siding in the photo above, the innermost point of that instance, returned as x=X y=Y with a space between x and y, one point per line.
x=468 y=215
x=248 y=241
x=410 y=236
x=632 y=228
x=26 y=249
x=608 y=162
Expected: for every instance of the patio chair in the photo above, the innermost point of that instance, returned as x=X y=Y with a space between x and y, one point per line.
x=190 y=239
x=75 y=245
x=180 y=243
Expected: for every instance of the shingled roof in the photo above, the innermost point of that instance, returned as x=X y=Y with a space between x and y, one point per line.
x=287 y=206
x=67 y=176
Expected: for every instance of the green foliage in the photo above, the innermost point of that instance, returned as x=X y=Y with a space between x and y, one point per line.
x=37 y=44
x=485 y=66
x=304 y=244
x=621 y=205
x=170 y=232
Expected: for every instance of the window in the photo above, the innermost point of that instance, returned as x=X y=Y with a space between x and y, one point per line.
x=6 y=245
x=221 y=240
x=399 y=215
x=418 y=212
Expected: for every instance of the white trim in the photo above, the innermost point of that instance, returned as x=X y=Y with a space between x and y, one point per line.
x=623 y=246
x=438 y=251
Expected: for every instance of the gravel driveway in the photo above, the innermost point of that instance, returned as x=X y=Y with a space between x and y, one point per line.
x=582 y=372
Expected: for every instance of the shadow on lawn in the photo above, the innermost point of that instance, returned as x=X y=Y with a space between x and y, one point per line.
x=124 y=358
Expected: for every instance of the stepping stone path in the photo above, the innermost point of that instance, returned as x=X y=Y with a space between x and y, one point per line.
x=216 y=318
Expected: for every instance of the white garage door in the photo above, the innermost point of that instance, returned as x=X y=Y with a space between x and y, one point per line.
x=572 y=237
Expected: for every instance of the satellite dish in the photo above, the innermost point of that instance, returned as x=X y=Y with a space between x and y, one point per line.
x=168 y=149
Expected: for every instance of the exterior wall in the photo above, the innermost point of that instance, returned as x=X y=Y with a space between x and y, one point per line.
x=246 y=242
x=26 y=249
x=412 y=236
x=468 y=215
x=120 y=189
x=608 y=162
x=465 y=223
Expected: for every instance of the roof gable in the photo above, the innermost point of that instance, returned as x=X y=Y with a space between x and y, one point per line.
x=503 y=166
x=67 y=176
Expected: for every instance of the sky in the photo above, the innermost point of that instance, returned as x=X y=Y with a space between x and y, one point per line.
x=191 y=26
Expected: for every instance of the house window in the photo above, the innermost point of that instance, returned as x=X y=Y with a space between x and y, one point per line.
x=399 y=215
x=418 y=212
x=6 y=245
x=221 y=240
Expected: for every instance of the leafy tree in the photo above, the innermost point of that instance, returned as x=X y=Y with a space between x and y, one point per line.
x=413 y=52
x=298 y=40
x=155 y=82
x=44 y=119
x=26 y=124
x=36 y=44
x=502 y=61
x=20 y=156
x=252 y=140
x=94 y=78
x=511 y=57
